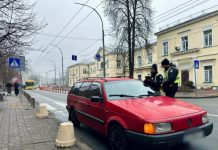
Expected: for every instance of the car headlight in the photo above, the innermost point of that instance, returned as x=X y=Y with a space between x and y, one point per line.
x=205 y=119
x=157 y=128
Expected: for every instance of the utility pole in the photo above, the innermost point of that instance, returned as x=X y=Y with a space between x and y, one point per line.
x=102 y=25
x=62 y=63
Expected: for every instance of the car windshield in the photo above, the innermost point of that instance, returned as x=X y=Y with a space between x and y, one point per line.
x=126 y=89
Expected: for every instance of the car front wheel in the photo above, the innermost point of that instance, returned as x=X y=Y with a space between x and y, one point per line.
x=73 y=118
x=117 y=138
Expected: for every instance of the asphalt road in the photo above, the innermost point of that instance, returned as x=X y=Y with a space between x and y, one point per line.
x=56 y=104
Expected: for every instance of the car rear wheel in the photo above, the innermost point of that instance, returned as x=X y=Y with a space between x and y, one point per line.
x=73 y=118
x=117 y=138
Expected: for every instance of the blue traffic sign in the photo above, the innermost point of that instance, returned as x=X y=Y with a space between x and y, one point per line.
x=196 y=64
x=98 y=57
x=13 y=62
x=74 y=57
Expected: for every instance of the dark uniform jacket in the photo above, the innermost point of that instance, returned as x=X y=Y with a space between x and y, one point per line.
x=154 y=82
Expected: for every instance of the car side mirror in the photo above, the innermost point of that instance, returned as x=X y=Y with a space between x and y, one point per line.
x=96 y=99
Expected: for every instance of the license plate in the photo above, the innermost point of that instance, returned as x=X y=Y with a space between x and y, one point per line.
x=193 y=136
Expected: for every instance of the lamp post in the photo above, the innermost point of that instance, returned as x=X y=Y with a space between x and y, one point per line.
x=62 y=62
x=54 y=69
x=102 y=24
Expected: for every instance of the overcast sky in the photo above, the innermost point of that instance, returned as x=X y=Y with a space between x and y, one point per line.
x=85 y=39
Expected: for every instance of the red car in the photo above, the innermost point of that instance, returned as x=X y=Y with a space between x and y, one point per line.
x=126 y=110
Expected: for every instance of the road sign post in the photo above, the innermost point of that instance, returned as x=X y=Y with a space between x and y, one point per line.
x=17 y=63
x=196 y=66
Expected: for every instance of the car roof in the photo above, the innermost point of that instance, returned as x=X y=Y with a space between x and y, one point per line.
x=104 y=79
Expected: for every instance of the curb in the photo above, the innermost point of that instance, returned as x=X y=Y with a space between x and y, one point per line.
x=82 y=145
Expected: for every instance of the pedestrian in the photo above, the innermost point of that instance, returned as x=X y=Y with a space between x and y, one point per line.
x=171 y=78
x=155 y=80
x=9 y=87
x=16 y=88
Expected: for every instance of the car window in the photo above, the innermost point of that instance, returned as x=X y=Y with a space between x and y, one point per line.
x=132 y=88
x=75 y=88
x=95 y=89
x=84 y=89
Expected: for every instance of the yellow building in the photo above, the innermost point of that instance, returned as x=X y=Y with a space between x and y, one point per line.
x=116 y=65
x=144 y=58
x=77 y=72
x=196 y=38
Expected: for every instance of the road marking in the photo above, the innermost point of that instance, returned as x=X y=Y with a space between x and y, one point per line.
x=212 y=115
x=49 y=107
x=60 y=104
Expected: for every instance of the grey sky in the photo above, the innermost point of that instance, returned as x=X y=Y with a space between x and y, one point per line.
x=56 y=13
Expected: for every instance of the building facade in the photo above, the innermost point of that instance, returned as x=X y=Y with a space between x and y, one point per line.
x=195 y=39
x=115 y=65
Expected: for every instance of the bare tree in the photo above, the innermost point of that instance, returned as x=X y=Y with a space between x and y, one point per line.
x=131 y=25
x=17 y=29
x=17 y=26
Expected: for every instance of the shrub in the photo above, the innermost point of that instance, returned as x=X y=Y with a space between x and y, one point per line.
x=185 y=89
x=189 y=84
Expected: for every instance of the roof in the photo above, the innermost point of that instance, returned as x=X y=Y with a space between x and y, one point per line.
x=197 y=17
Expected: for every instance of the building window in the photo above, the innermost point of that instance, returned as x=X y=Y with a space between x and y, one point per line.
x=90 y=70
x=84 y=71
x=97 y=66
x=165 y=48
x=140 y=77
x=184 y=43
x=208 y=74
x=149 y=56
x=139 y=60
x=102 y=65
x=119 y=64
x=208 y=38
x=76 y=71
x=107 y=63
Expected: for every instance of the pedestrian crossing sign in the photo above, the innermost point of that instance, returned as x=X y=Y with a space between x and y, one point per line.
x=13 y=62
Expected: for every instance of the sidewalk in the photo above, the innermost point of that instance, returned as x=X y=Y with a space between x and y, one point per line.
x=21 y=130
x=200 y=94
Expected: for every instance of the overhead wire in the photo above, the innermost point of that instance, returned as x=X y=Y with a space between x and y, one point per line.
x=75 y=28
x=198 y=4
x=173 y=9
x=69 y=37
x=66 y=25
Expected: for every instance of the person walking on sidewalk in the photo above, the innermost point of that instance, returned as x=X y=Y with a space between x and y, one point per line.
x=155 y=80
x=171 y=78
x=16 y=88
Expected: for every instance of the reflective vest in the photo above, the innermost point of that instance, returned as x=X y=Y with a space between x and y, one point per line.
x=166 y=77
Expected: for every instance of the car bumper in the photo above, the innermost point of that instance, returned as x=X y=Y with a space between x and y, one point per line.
x=68 y=108
x=169 y=139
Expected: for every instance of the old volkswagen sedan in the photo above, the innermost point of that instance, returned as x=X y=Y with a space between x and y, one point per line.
x=125 y=110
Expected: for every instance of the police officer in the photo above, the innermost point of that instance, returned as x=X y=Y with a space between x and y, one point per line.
x=155 y=80
x=171 y=78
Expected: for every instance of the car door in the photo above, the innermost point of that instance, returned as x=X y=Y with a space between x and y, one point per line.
x=82 y=101
x=72 y=96
x=96 y=110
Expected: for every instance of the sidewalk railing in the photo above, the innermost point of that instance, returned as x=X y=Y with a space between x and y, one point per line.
x=30 y=99
x=63 y=90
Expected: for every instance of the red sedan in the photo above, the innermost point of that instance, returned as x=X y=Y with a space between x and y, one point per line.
x=126 y=110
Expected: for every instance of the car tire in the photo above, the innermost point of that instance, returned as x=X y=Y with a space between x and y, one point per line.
x=117 y=138
x=73 y=118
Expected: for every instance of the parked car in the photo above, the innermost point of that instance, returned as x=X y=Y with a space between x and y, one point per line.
x=125 y=110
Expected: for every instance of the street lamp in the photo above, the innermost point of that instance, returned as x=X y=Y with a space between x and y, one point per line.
x=46 y=75
x=54 y=69
x=102 y=24
x=62 y=62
